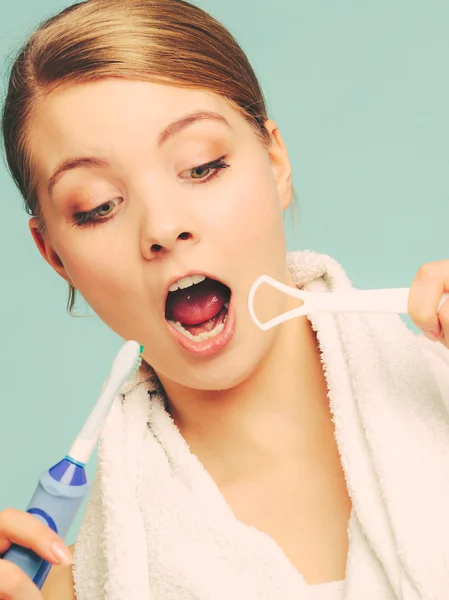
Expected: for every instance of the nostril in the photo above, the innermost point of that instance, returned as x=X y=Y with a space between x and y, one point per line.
x=158 y=248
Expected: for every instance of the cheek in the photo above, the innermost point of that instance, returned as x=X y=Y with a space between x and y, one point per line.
x=247 y=209
x=253 y=236
x=256 y=221
x=102 y=274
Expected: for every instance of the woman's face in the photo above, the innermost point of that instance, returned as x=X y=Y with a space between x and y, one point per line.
x=143 y=184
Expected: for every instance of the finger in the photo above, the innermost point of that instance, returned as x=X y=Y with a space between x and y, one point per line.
x=425 y=295
x=443 y=317
x=15 y=585
x=19 y=527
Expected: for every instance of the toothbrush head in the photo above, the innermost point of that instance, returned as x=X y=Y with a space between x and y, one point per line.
x=138 y=363
x=125 y=365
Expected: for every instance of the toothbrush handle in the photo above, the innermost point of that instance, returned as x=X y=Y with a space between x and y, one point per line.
x=369 y=301
x=55 y=503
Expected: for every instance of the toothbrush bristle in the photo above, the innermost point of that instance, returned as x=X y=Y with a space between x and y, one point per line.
x=136 y=366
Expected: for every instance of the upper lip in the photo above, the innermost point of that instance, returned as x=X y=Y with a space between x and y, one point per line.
x=172 y=280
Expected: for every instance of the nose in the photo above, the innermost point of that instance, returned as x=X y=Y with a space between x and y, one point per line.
x=166 y=244
x=166 y=227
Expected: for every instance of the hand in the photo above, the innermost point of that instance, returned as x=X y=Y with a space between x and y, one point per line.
x=19 y=527
x=430 y=283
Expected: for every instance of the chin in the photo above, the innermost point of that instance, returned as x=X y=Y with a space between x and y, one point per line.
x=226 y=371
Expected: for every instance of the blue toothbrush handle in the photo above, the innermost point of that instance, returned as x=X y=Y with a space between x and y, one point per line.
x=56 y=501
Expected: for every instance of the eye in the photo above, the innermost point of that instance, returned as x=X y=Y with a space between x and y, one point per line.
x=96 y=215
x=204 y=172
x=200 y=172
x=105 y=209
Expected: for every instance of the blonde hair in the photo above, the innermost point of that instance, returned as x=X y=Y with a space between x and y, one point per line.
x=165 y=41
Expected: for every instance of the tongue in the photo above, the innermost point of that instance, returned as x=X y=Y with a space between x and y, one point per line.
x=197 y=303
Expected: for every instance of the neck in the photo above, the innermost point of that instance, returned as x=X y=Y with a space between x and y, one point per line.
x=270 y=416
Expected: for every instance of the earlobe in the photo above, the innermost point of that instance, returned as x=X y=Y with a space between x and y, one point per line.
x=46 y=250
x=281 y=164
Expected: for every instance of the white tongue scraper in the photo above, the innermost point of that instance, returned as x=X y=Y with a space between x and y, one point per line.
x=354 y=301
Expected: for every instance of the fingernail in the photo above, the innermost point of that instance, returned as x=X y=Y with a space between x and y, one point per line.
x=432 y=336
x=61 y=553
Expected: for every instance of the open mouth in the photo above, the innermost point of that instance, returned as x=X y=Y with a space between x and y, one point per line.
x=197 y=307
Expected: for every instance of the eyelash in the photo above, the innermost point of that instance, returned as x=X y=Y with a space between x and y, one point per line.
x=91 y=218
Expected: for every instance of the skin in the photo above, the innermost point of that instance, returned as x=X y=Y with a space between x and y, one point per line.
x=163 y=224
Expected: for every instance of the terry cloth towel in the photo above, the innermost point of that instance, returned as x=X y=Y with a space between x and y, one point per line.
x=157 y=527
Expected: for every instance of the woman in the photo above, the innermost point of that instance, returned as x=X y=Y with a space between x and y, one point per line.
x=156 y=184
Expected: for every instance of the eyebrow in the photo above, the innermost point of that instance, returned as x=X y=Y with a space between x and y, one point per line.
x=168 y=132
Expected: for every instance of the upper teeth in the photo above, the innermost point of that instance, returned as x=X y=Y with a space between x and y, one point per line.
x=186 y=282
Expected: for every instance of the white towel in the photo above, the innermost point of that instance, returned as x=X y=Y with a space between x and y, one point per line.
x=157 y=527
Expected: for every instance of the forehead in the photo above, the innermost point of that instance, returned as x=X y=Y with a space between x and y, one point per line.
x=96 y=116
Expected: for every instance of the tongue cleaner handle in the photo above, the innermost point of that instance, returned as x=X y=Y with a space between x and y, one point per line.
x=364 y=301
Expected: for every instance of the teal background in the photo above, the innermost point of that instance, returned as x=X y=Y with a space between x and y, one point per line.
x=361 y=93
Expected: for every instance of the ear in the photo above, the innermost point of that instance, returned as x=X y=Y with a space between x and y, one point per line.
x=280 y=163
x=47 y=251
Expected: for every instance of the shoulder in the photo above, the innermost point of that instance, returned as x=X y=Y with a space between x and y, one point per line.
x=59 y=584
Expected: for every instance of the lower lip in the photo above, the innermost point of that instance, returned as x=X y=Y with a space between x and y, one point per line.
x=211 y=346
